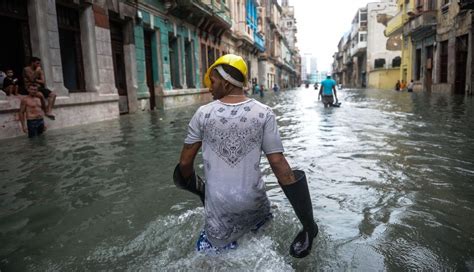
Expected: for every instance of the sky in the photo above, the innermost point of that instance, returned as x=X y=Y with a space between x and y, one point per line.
x=321 y=24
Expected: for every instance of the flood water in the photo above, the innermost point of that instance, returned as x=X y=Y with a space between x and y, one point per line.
x=391 y=177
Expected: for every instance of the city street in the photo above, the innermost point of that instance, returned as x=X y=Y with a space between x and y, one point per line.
x=390 y=174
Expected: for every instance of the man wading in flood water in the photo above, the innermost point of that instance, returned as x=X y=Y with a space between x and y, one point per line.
x=233 y=131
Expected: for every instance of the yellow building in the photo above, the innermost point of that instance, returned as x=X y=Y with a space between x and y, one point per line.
x=394 y=30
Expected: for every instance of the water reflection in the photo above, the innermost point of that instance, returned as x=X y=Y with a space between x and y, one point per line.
x=390 y=174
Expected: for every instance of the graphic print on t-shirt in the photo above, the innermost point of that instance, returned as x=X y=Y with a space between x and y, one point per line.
x=232 y=142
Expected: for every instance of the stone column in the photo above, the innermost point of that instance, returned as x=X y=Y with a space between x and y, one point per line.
x=103 y=46
x=197 y=72
x=131 y=68
x=89 y=50
x=164 y=41
x=452 y=60
x=140 y=62
x=470 y=63
x=45 y=42
x=157 y=63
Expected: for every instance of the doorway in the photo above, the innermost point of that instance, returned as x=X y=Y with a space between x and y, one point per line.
x=150 y=82
x=15 y=50
x=118 y=57
x=461 y=64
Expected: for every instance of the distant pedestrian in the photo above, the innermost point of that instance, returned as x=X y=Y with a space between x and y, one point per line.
x=276 y=88
x=410 y=86
x=397 y=86
x=328 y=88
x=261 y=90
x=403 y=85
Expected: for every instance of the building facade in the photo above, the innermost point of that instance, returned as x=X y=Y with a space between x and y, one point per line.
x=437 y=44
x=394 y=30
x=109 y=57
x=454 y=48
x=87 y=49
x=383 y=57
x=366 y=57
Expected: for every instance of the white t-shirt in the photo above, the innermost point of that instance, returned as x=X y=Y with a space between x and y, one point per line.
x=233 y=137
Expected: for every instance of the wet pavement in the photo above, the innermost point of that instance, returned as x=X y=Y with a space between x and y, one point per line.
x=391 y=176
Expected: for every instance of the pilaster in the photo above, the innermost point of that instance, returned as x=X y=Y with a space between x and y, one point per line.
x=45 y=42
x=89 y=50
x=142 y=90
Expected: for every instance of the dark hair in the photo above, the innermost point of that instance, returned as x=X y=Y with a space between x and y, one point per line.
x=33 y=85
x=34 y=59
x=233 y=72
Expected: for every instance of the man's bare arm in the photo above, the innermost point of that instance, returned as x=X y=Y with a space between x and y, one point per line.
x=186 y=161
x=40 y=79
x=281 y=168
x=23 y=114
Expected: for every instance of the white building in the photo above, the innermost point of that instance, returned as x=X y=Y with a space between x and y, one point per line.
x=383 y=57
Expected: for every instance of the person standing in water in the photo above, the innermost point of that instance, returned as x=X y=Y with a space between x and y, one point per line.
x=328 y=87
x=233 y=131
x=31 y=113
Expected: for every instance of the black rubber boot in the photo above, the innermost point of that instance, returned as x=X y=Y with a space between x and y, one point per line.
x=193 y=184
x=298 y=195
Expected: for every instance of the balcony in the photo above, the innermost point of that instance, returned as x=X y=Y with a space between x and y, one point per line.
x=259 y=42
x=216 y=15
x=395 y=25
x=221 y=10
x=359 y=48
x=423 y=24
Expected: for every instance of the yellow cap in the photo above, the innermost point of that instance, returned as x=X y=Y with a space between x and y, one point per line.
x=229 y=59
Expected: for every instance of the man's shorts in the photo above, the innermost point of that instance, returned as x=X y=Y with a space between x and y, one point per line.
x=35 y=127
x=204 y=245
x=45 y=92
x=328 y=99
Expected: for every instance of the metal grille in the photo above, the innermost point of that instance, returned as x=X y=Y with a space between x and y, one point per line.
x=68 y=18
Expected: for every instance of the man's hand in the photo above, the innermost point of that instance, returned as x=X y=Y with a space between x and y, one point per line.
x=25 y=130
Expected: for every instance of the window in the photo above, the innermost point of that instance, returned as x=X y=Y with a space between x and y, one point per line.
x=379 y=63
x=70 y=48
x=443 y=69
x=396 y=62
x=431 y=4
x=363 y=37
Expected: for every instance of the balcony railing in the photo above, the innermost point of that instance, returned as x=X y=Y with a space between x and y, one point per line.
x=395 y=25
x=425 y=21
x=359 y=48
x=220 y=9
x=259 y=42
